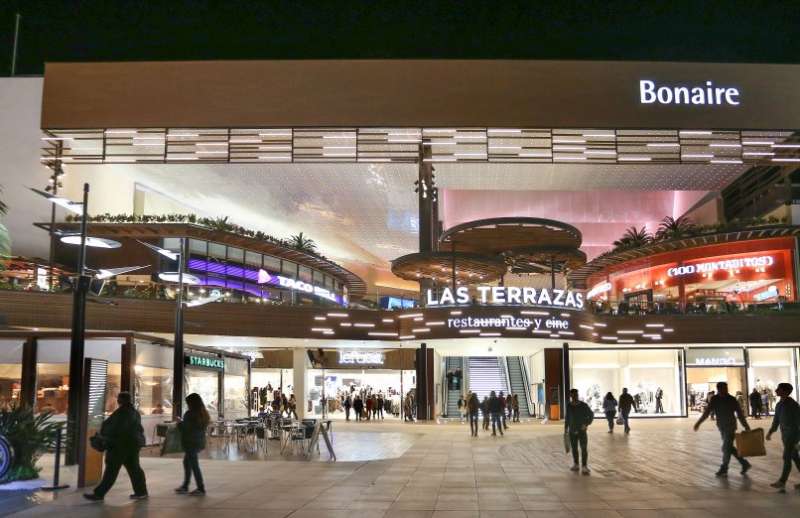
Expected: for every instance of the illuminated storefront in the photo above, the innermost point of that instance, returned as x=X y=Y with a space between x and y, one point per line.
x=716 y=278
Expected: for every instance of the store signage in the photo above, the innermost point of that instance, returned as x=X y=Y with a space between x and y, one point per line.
x=598 y=288
x=728 y=264
x=507 y=322
x=361 y=357
x=297 y=285
x=205 y=361
x=769 y=293
x=707 y=94
x=714 y=357
x=506 y=295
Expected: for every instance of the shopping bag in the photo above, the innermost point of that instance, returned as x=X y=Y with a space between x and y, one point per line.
x=566 y=443
x=751 y=443
x=172 y=441
x=620 y=421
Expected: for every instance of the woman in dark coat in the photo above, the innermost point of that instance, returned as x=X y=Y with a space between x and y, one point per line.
x=193 y=437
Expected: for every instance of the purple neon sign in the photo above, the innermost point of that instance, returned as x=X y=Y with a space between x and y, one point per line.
x=260 y=277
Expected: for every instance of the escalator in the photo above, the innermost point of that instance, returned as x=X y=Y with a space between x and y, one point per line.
x=452 y=365
x=517 y=378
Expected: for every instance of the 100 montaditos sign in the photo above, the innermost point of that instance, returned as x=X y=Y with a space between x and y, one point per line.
x=506 y=295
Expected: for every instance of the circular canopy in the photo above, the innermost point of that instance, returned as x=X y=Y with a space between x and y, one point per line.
x=544 y=259
x=500 y=236
x=470 y=268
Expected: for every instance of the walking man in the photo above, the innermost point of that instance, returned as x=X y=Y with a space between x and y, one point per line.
x=125 y=437
x=485 y=412
x=502 y=400
x=576 y=422
x=347 y=404
x=473 y=405
x=727 y=410
x=626 y=403
x=787 y=418
x=496 y=410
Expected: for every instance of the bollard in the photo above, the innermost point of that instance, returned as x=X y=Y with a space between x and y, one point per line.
x=57 y=468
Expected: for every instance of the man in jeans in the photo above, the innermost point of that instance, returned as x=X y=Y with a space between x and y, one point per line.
x=495 y=410
x=473 y=405
x=787 y=417
x=577 y=420
x=727 y=410
x=125 y=437
x=626 y=403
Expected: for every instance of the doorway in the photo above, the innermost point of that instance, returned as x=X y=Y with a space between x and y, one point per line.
x=700 y=381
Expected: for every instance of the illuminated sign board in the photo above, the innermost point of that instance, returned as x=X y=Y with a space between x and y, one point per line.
x=551 y=324
x=361 y=357
x=713 y=357
x=769 y=293
x=205 y=361
x=728 y=264
x=506 y=295
x=297 y=285
x=597 y=289
x=706 y=94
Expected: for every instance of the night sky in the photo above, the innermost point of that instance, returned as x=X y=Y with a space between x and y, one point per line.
x=733 y=30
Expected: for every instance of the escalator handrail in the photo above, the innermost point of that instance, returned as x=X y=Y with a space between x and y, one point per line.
x=528 y=393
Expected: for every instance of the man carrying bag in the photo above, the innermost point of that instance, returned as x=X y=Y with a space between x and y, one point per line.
x=124 y=437
x=727 y=410
x=576 y=422
x=787 y=418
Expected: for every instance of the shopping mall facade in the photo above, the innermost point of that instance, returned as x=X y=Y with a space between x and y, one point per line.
x=470 y=206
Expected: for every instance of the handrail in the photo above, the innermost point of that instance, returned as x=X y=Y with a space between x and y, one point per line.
x=504 y=367
x=526 y=380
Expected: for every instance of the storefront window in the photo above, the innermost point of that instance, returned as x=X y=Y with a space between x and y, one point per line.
x=652 y=377
x=235 y=388
x=272 y=263
x=206 y=384
x=153 y=379
x=768 y=367
x=10 y=372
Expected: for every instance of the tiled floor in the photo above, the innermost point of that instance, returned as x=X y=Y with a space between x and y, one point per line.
x=438 y=471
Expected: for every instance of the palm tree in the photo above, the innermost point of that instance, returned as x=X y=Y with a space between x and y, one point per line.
x=671 y=228
x=302 y=243
x=633 y=238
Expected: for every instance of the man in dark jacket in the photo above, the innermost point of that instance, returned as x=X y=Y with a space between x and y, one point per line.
x=755 y=403
x=727 y=410
x=576 y=421
x=787 y=417
x=626 y=403
x=495 y=410
x=473 y=405
x=124 y=437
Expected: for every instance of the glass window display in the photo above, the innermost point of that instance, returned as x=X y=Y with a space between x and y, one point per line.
x=768 y=367
x=235 y=388
x=652 y=376
x=10 y=372
x=205 y=383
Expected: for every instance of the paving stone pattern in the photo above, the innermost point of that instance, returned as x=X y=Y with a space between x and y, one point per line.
x=662 y=469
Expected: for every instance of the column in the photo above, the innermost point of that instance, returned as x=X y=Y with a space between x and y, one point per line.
x=28 y=381
x=299 y=368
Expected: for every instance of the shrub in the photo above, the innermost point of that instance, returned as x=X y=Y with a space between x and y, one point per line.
x=30 y=436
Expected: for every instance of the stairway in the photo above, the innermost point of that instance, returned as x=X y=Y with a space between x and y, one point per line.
x=485 y=375
x=451 y=364
x=518 y=384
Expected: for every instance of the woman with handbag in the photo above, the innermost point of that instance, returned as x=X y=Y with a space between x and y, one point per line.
x=193 y=437
x=610 y=409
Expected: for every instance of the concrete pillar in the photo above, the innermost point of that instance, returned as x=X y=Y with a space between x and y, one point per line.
x=299 y=368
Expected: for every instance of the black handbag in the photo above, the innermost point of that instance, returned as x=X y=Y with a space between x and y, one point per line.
x=98 y=442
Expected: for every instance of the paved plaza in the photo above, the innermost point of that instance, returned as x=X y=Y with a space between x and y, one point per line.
x=438 y=471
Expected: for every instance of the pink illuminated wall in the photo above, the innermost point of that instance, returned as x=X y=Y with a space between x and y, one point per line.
x=601 y=216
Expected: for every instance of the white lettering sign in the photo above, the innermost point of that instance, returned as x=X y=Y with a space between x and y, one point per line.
x=508 y=322
x=729 y=264
x=361 y=357
x=598 y=288
x=707 y=94
x=297 y=285
x=506 y=295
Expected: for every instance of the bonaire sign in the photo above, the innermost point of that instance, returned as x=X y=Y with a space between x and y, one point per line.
x=695 y=94
x=506 y=295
